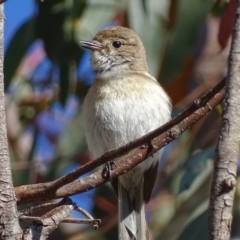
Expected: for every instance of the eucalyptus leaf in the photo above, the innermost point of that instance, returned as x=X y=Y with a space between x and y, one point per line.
x=150 y=28
x=95 y=16
x=186 y=203
x=196 y=165
x=190 y=17
x=192 y=230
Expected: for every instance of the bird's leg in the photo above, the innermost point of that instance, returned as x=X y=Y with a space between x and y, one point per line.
x=107 y=170
x=150 y=145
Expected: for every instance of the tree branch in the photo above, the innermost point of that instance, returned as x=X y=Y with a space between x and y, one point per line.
x=9 y=225
x=225 y=171
x=60 y=211
x=159 y=137
x=44 y=225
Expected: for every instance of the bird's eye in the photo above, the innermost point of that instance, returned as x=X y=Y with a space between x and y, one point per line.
x=117 y=44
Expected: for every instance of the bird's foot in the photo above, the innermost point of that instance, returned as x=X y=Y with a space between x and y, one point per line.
x=151 y=146
x=107 y=170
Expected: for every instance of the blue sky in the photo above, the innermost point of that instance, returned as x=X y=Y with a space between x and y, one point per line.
x=16 y=13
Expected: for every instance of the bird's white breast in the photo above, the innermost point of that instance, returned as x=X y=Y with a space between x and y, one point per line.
x=119 y=109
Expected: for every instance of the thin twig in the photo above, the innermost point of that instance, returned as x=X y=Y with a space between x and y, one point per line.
x=24 y=215
x=94 y=222
x=84 y=212
x=44 y=225
x=31 y=210
x=29 y=218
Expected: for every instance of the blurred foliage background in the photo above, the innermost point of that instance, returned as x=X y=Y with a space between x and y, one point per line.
x=47 y=75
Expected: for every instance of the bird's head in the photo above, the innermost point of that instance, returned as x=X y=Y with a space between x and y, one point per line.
x=117 y=48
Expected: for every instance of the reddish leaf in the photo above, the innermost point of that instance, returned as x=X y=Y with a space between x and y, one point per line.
x=227 y=23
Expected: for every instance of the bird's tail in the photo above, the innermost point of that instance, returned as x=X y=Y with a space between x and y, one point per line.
x=132 y=219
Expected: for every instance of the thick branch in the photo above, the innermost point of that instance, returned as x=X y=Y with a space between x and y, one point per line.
x=225 y=172
x=160 y=137
x=9 y=226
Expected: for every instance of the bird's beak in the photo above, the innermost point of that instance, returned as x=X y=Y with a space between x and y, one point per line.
x=91 y=45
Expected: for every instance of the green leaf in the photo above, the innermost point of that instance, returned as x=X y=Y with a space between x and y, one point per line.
x=182 y=41
x=197 y=228
x=49 y=27
x=18 y=47
x=186 y=203
x=95 y=16
x=144 y=6
x=197 y=164
x=58 y=35
x=150 y=28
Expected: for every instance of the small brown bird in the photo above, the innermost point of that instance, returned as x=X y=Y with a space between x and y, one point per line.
x=124 y=103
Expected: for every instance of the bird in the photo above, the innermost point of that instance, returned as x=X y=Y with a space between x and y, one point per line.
x=124 y=103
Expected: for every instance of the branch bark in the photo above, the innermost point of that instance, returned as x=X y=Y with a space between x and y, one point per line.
x=44 y=225
x=9 y=226
x=159 y=137
x=225 y=171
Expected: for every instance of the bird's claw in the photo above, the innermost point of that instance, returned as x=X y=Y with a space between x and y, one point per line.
x=107 y=171
x=151 y=144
